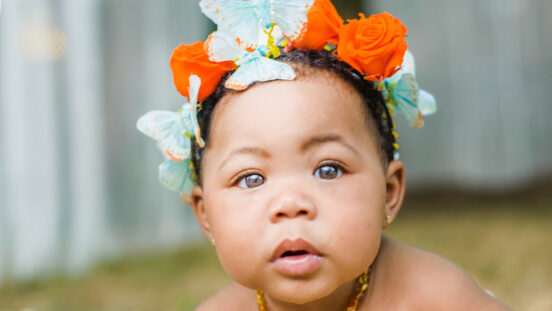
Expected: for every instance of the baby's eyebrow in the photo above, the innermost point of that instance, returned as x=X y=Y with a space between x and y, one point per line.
x=309 y=144
x=245 y=150
x=320 y=140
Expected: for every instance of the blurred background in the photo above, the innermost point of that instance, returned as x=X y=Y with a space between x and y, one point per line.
x=85 y=225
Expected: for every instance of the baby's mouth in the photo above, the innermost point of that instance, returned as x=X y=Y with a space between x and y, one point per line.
x=294 y=253
x=296 y=257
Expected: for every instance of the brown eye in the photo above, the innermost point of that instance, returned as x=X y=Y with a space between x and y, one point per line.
x=251 y=181
x=328 y=172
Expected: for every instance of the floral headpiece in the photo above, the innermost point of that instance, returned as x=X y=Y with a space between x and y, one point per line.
x=248 y=40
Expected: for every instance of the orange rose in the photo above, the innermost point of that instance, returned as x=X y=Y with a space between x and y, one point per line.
x=192 y=59
x=374 y=46
x=322 y=27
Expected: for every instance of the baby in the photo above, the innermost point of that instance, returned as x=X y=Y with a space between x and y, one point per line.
x=292 y=171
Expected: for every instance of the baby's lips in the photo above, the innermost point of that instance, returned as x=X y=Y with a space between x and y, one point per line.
x=295 y=245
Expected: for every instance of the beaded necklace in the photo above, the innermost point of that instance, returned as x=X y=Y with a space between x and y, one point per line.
x=360 y=290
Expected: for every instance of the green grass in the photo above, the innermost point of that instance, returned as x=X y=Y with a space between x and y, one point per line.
x=168 y=281
x=503 y=243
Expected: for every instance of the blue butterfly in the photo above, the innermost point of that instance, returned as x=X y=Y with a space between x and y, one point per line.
x=252 y=65
x=173 y=130
x=248 y=18
x=402 y=94
x=177 y=176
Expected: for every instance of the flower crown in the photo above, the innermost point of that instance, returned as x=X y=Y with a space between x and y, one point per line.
x=248 y=40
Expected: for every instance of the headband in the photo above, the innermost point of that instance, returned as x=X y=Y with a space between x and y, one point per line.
x=249 y=38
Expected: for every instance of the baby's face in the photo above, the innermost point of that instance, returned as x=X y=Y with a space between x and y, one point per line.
x=294 y=189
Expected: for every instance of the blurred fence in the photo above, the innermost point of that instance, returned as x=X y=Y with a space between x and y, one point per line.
x=52 y=197
x=78 y=182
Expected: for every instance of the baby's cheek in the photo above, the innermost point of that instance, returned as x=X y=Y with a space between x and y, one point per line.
x=237 y=246
x=358 y=240
x=358 y=225
x=366 y=235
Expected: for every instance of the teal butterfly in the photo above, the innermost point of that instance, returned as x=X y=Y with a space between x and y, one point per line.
x=248 y=18
x=402 y=94
x=252 y=65
x=173 y=130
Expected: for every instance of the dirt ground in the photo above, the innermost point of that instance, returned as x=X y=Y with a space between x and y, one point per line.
x=503 y=242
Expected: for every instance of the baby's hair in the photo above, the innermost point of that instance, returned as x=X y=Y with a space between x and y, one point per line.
x=302 y=61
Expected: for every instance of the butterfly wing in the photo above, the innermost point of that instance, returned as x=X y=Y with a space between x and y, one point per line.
x=238 y=16
x=191 y=109
x=426 y=103
x=291 y=16
x=178 y=146
x=166 y=128
x=158 y=125
x=223 y=46
x=405 y=95
x=189 y=123
x=259 y=69
x=195 y=83
x=408 y=65
x=176 y=176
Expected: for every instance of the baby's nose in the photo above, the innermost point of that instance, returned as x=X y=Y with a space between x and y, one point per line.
x=290 y=205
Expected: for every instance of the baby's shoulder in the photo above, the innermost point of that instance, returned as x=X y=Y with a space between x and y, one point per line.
x=233 y=297
x=431 y=282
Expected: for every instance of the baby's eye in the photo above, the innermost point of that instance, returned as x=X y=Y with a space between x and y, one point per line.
x=328 y=171
x=251 y=181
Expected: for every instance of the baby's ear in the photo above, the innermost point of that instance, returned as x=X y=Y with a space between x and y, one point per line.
x=395 y=187
x=199 y=211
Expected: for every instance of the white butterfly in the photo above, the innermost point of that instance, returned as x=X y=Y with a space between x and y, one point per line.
x=252 y=65
x=402 y=94
x=173 y=130
x=249 y=18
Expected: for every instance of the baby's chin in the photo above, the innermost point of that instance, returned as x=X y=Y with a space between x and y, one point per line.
x=304 y=291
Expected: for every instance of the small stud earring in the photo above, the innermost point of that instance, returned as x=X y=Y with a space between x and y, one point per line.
x=213 y=242
x=389 y=219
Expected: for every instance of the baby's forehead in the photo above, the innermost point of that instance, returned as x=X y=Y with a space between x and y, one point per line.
x=315 y=82
x=314 y=90
x=315 y=102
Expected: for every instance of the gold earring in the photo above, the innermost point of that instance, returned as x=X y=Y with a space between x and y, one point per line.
x=389 y=219
x=213 y=242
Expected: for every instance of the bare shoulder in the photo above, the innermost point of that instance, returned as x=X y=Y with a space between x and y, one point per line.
x=233 y=297
x=432 y=282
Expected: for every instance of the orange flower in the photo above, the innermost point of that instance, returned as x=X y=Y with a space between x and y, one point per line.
x=374 y=46
x=322 y=27
x=192 y=59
